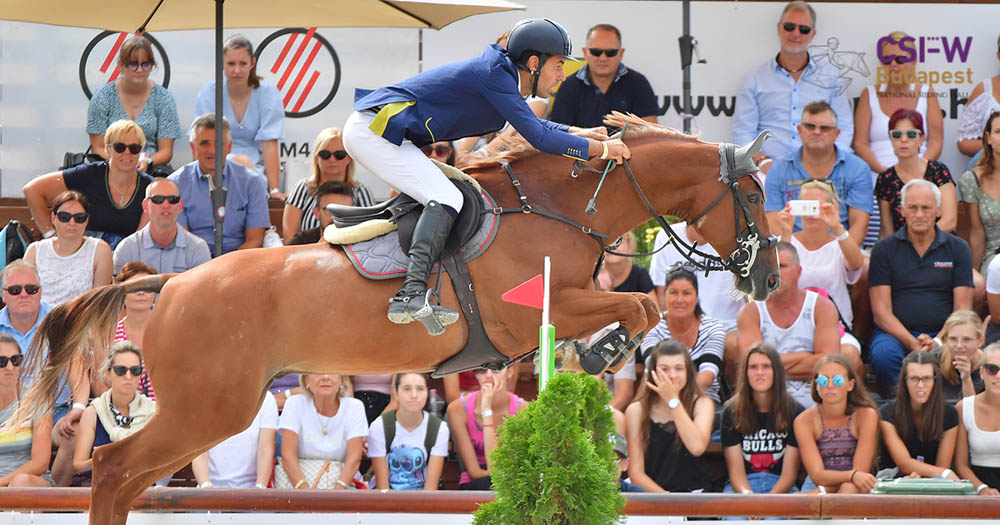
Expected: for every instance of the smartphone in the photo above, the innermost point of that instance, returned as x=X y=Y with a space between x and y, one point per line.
x=802 y=208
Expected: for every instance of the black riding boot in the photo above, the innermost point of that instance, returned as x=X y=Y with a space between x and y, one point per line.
x=412 y=302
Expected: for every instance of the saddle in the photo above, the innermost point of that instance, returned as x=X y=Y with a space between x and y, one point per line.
x=468 y=239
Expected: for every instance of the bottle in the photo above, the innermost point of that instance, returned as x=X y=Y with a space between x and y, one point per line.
x=436 y=403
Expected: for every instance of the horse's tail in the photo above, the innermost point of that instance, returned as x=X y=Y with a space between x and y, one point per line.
x=64 y=336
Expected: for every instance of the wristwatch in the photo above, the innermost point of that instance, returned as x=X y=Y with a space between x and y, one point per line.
x=673 y=403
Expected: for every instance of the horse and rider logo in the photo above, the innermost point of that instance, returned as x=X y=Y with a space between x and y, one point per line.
x=843 y=62
x=300 y=62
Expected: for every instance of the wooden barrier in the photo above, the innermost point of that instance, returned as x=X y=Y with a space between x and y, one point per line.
x=812 y=506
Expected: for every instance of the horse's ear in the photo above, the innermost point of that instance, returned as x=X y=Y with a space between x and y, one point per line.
x=745 y=153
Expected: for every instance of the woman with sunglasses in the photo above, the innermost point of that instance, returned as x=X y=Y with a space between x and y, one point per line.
x=70 y=263
x=960 y=356
x=442 y=152
x=26 y=447
x=918 y=427
x=871 y=117
x=757 y=437
x=328 y=162
x=117 y=413
x=669 y=426
x=906 y=131
x=254 y=109
x=838 y=435
x=138 y=309
x=979 y=189
x=133 y=96
x=114 y=187
x=685 y=322
x=977 y=450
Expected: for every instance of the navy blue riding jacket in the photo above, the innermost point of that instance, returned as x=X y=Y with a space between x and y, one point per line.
x=464 y=99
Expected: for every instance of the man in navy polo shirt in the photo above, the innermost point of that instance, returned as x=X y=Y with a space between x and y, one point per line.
x=918 y=277
x=603 y=85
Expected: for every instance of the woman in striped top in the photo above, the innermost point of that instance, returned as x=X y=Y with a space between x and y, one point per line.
x=138 y=307
x=684 y=321
x=329 y=161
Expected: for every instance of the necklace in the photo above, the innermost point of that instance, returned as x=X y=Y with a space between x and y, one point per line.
x=323 y=425
x=778 y=60
x=122 y=195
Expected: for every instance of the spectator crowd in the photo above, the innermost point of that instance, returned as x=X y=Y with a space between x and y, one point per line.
x=877 y=358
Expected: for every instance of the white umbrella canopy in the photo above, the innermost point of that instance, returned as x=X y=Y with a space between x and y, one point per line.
x=169 y=15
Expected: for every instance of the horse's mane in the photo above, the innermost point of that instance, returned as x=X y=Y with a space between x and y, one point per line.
x=511 y=147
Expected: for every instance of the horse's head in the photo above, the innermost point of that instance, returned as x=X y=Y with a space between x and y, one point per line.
x=738 y=226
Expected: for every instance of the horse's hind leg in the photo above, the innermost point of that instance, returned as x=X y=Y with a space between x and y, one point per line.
x=171 y=439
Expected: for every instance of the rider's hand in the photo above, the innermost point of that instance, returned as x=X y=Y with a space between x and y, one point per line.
x=598 y=133
x=617 y=150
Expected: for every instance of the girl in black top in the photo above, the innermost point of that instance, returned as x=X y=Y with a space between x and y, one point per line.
x=918 y=428
x=669 y=426
x=757 y=437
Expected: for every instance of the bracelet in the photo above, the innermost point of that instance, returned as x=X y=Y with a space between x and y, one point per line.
x=273 y=191
x=843 y=236
x=489 y=424
x=937 y=341
x=81 y=406
x=342 y=484
x=49 y=233
x=145 y=156
x=980 y=488
x=300 y=483
x=853 y=472
x=205 y=485
x=604 y=155
x=944 y=474
x=746 y=491
x=764 y=162
x=260 y=486
x=487 y=413
x=822 y=489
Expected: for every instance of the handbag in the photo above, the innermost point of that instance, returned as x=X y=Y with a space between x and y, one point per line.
x=319 y=473
x=72 y=160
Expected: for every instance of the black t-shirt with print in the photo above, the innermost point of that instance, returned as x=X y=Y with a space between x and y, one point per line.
x=764 y=450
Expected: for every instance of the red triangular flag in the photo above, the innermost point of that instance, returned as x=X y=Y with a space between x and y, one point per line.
x=528 y=293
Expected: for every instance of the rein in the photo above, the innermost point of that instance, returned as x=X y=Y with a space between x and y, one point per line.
x=748 y=240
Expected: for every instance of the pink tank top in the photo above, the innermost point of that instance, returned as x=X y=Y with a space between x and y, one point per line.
x=476 y=430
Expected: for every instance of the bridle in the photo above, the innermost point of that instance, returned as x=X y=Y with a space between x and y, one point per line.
x=748 y=240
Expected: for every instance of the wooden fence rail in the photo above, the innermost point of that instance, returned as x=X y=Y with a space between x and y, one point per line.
x=461 y=502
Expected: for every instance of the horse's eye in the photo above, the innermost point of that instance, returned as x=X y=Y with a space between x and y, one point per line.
x=754 y=198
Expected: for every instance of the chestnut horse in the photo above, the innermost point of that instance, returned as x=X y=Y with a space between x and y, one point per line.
x=221 y=332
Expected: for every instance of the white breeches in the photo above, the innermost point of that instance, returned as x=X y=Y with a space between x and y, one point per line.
x=403 y=167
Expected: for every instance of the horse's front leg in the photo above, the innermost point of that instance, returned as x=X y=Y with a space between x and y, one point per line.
x=577 y=313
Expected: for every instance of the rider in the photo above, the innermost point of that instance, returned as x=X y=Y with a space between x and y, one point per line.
x=470 y=98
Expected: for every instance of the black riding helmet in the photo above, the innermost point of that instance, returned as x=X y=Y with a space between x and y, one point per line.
x=537 y=36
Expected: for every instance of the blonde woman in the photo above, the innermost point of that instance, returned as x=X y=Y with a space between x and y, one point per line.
x=321 y=435
x=329 y=161
x=960 y=356
x=114 y=187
